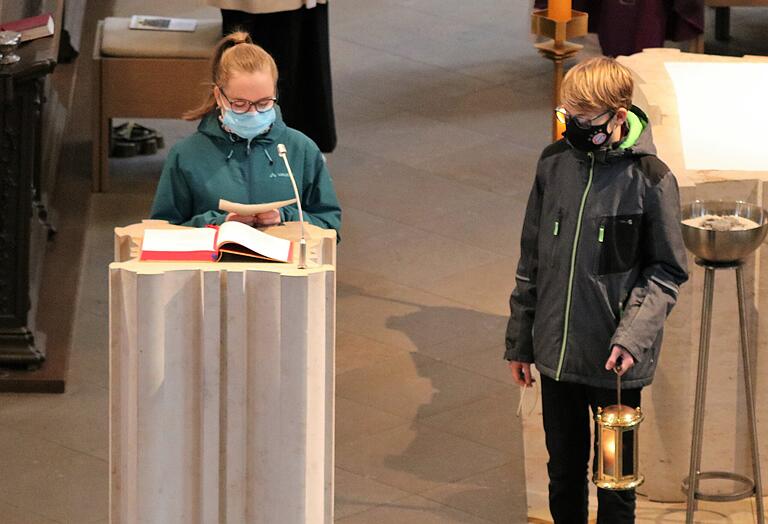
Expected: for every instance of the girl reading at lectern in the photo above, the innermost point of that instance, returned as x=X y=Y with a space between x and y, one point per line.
x=233 y=155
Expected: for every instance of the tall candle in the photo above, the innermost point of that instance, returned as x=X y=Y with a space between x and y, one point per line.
x=559 y=10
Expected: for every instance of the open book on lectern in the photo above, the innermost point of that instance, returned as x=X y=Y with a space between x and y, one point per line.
x=207 y=244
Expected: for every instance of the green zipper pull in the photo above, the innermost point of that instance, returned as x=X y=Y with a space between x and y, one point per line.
x=557 y=228
x=601 y=234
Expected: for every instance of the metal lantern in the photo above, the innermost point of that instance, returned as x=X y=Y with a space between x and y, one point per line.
x=617 y=446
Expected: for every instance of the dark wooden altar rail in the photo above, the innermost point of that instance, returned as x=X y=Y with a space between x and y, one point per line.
x=24 y=192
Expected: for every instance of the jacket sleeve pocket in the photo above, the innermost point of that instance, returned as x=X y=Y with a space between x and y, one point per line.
x=619 y=240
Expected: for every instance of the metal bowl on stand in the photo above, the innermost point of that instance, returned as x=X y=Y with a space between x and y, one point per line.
x=722 y=234
x=723 y=246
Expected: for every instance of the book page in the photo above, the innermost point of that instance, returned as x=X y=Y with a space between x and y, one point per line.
x=179 y=240
x=253 y=239
x=721 y=115
x=252 y=209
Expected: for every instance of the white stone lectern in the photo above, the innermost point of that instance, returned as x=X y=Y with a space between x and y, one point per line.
x=222 y=392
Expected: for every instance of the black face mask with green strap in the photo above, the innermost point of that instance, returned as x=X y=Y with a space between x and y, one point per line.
x=587 y=139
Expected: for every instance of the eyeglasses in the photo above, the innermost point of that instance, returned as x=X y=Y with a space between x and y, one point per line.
x=582 y=123
x=240 y=105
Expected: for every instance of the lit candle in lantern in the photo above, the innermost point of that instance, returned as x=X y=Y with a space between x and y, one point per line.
x=616 y=433
x=609 y=452
x=559 y=10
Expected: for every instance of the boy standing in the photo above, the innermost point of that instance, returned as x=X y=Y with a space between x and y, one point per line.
x=601 y=262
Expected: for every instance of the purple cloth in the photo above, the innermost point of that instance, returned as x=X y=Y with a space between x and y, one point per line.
x=625 y=27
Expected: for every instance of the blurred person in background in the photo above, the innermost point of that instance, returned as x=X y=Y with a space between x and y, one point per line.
x=295 y=33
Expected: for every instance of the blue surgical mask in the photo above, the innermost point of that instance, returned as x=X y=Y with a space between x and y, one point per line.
x=249 y=125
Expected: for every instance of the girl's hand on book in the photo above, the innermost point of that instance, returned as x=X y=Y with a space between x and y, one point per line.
x=245 y=219
x=270 y=218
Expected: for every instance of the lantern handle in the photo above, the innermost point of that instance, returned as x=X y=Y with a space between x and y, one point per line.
x=617 y=370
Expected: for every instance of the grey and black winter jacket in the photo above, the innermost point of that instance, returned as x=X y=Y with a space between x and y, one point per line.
x=601 y=261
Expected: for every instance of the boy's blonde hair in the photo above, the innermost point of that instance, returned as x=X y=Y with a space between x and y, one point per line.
x=597 y=83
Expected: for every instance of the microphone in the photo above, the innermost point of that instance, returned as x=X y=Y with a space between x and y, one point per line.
x=283 y=153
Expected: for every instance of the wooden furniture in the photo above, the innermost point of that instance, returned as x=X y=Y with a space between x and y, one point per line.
x=146 y=74
x=221 y=390
x=723 y=14
x=26 y=177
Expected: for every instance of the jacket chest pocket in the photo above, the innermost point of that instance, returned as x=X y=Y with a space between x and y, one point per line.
x=618 y=240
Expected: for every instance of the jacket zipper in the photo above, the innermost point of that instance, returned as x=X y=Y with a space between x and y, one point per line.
x=573 y=267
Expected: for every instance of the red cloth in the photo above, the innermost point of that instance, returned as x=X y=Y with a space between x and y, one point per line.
x=625 y=27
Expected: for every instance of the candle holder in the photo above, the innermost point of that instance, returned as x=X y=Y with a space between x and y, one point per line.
x=617 y=446
x=558 y=48
x=9 y=41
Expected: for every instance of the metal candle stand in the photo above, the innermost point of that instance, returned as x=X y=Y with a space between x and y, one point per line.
x=728 y=248
x=558 y=49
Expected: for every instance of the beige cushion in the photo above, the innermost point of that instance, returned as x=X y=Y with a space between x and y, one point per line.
x=120 y=41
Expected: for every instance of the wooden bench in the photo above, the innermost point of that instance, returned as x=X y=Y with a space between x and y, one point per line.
x=146 y=74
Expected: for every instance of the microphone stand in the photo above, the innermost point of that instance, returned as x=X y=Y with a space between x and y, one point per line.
x=283 y=153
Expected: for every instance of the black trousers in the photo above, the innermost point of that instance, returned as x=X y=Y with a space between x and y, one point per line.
x=298 y=41
x=566 y=409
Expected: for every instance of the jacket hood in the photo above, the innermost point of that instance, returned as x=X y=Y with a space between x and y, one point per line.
x=211 y=126
x=639 y=140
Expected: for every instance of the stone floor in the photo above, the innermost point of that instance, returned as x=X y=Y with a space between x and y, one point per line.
x=442 y=109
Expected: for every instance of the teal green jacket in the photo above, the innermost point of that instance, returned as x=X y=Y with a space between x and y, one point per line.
x=213 y=164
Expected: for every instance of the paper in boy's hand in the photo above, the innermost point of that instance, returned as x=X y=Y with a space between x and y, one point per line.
x=252 y=209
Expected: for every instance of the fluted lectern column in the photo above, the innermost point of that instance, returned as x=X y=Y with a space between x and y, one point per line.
x=221 y=393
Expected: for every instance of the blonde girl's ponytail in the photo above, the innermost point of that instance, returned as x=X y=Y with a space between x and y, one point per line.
x=221 y=68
